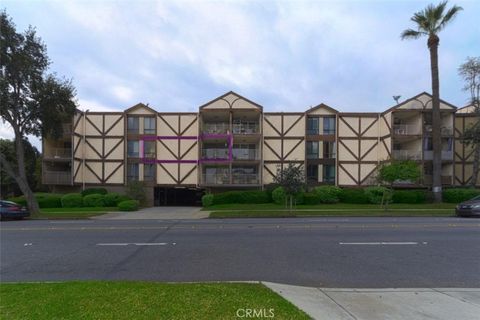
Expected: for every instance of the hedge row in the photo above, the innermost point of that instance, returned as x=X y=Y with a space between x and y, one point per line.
x=333 y=194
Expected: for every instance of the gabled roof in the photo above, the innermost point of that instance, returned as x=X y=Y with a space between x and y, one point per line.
x=139 y=106
x=320 y=106
x=416 y=98
x=228 y=93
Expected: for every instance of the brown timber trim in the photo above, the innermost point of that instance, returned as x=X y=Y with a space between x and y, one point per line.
x=350 y=150
x=168 y=125
x=188 y=126
x=348 y=173
x=93 y=171
x=168 y=172
x=114 y=147
x=169 y=150
x=273 y=127
x=350 y=127
x=93 y=124
x=114 y=124
x=113 y=172
x=294 y=124
x=195 y=167
x=294 y=147
x=368 y=151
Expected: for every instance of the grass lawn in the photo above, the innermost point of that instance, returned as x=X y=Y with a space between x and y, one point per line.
x=72 y=213
x=339 y=209
x=139 y=300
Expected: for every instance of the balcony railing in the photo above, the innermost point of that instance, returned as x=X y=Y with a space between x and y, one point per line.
x=57 y=177
x=406 y=155
x=224 y=179
x=245 y=178
x=446 y=155
x=215 y=153
x=245 y=128
x=444 y=131
x=58 y=153
x=406 y=129
x=245 y=154
x=215 y=127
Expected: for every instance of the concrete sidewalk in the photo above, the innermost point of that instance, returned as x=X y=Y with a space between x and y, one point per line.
x=372 y=304
x=157 y=213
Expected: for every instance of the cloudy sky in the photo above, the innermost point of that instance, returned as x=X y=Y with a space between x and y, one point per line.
x=284 y=55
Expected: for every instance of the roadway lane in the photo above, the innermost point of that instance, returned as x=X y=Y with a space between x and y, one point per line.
x=320 y=252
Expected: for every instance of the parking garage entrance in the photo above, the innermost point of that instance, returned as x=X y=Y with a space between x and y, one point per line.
x=178 y=196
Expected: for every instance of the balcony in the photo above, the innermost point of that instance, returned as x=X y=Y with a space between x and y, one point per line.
x=245 y=154
x=406 y=155
x=406 y=129
x=445 y=131
x=246 y=128
x=446 y=155
x=215 y=127
x=57 y=177
x=58 y=153
x=215 y=153
x=224 y=179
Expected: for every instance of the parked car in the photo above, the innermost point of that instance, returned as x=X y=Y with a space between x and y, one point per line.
x=9 y=209
x=469 y=208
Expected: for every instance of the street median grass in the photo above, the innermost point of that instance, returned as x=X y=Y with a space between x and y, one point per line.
x=72 y=213
x=140 y=300
x=352 y=210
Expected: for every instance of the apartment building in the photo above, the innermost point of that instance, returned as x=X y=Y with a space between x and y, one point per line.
x=232 y=143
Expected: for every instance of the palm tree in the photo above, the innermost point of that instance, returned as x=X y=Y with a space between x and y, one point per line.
x=429 y=22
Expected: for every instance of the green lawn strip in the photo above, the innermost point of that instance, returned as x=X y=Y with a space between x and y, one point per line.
x=344 y=213
x=72 y=213
x=139 y=300
x=336 y=206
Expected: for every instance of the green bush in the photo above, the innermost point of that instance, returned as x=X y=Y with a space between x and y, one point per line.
x=355 y=196
x=376 y=194
x=136 y=191
x=72 y=200
x=89 y=191
x=328 y=194
x=128 y=205
x=112 y=199
x=459 y=195
x=94 y=200
x=251 y=196
x=207 y=200
x=278 y=195
x=45 y=200
x=311 y=198
x=409 y=196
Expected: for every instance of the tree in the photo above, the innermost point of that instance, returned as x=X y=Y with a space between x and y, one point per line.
x=32 y=101
x=396 y=171
x=8 y=186
x=470 y=72
x=292 y=180
x=429 y=22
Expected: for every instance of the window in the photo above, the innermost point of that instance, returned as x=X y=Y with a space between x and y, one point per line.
x=312 y=125
x=148 y=172
x=132 y=124
x=329 y=125
x=149 y=125
x=312 y=149
x=244 y=151
x=149 y=149
x=427 y=144
x=312 y=173
x=329 y=173
x=132 y=171
x=329 y=151
x=132 y=149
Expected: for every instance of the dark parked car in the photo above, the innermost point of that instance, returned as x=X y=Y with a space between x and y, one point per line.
x=469 y=208
x=9 y=209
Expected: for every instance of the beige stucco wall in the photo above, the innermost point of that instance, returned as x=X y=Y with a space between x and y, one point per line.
x=270 y=122
x=231 y=101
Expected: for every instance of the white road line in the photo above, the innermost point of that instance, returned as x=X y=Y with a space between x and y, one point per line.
x=379 y=243
x=134 y=244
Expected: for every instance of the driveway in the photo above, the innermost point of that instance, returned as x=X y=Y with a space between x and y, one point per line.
x=157 y=213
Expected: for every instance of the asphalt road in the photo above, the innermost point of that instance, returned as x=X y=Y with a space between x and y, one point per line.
x=321 y=252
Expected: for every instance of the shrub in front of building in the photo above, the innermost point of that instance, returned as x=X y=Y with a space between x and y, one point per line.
x=353 y=195
x=279 y=196
x=207 y=200
x=72 y=200
x=112 y=199
x=409 y=196
x=311 y=198
x=89 y=191
x=94 y=200
x=328 y=194
x=378 y=194
x=45 y=200
x=129 y=205
x=459 y=194
x=250 y=196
